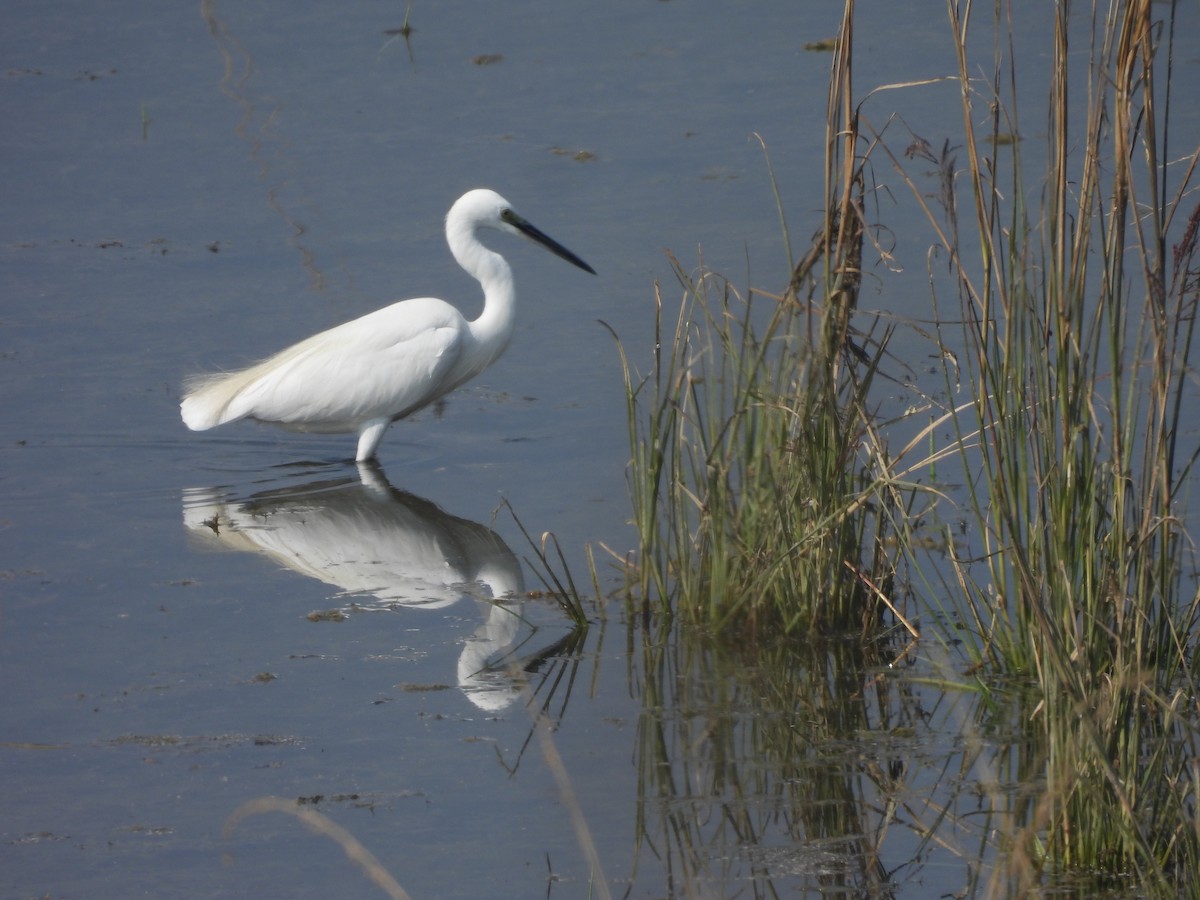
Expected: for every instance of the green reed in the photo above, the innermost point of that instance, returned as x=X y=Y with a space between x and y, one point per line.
x=761 y=491
x=747 y=492
x=1078 y=300
x=765 y=497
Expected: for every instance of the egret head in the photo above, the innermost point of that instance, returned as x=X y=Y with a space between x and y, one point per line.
x=483 y=208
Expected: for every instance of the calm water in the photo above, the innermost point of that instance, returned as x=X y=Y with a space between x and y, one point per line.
x=189 y=187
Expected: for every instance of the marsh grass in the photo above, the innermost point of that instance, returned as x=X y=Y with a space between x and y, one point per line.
x=762 y=494
x=746 y=489
x=550 y=568
x=1077 y=304
x=765 y=498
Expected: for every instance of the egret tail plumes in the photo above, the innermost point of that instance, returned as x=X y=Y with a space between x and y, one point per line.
x=209 y=400
x=367 y=373
x=206 y=397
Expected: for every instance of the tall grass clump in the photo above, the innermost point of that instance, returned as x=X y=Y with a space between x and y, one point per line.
x=756 y=478
x=1078 y=293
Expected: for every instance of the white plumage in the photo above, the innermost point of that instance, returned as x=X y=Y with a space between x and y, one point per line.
x=369 y=372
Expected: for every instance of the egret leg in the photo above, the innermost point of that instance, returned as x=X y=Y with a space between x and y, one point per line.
x=369 y=438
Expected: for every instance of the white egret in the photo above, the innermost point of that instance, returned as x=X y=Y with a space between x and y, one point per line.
x=367 y=373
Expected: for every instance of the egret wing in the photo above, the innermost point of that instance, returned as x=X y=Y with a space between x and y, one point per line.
x=385 y=364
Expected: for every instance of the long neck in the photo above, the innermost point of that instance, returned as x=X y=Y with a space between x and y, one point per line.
x=494 y=327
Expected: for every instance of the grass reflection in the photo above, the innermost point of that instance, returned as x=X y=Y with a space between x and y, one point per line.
x=758 y=763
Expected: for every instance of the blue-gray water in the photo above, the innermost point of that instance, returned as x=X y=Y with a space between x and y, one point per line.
x=193 y=186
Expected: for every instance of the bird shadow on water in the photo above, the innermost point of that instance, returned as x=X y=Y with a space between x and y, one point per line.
x=386 y=550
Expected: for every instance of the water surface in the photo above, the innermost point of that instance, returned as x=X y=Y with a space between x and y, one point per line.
x=191 y=187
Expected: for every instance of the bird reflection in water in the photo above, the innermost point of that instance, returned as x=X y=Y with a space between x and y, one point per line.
x=386 y=549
